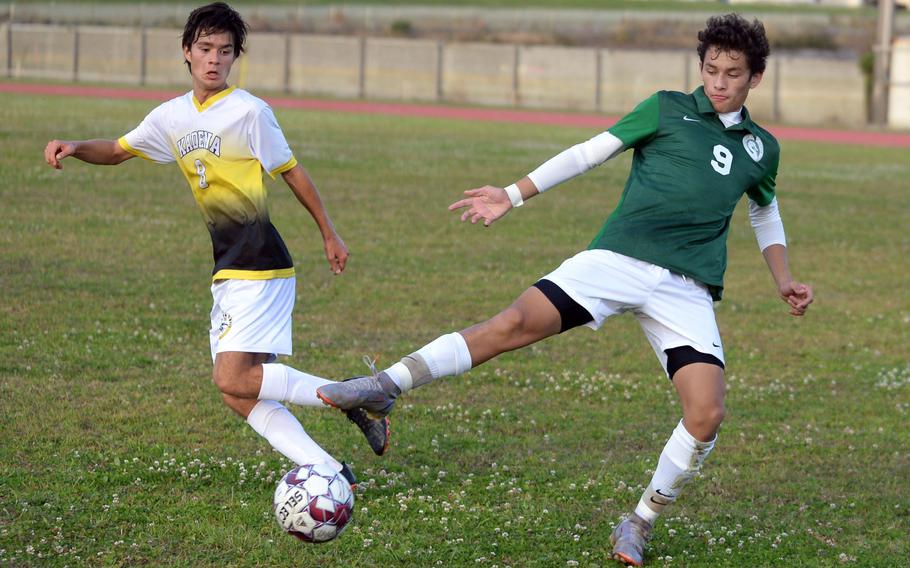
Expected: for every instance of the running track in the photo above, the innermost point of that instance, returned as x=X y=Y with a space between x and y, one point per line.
x=593 y=121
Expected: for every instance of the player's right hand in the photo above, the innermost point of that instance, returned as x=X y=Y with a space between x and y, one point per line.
x=336 y=252
x=56 y=150
x=488 y=203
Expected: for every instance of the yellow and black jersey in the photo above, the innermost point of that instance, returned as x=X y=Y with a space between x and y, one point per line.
x=222 y=147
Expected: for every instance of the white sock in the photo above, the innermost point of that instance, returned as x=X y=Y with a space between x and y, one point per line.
x=679 y=461
x=284 y=432
x=445 y=356
x=283 y=383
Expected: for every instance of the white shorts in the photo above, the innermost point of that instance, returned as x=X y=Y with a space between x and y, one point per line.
x=252 y=316
x=673 y=310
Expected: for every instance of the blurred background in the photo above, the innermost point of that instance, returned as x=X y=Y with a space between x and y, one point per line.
x=834 y=62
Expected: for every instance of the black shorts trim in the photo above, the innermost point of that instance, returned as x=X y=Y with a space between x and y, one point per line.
x=679 y=357
x=571 y=312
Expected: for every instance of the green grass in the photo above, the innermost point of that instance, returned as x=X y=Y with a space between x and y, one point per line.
x=116 y=451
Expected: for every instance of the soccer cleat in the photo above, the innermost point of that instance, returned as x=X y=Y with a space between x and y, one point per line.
x=376 y=394
x=629 y=539
x=376 y=431
x=349 y=475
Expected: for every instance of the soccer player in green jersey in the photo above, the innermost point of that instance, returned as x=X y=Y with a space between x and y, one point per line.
x=661 y=255
x=224 y=139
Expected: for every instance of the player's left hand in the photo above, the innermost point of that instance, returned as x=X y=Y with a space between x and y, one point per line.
x=798 y=296
x=487 y=203
x=336 y=252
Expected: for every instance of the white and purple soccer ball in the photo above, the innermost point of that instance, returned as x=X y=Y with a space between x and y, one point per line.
x=314 y=503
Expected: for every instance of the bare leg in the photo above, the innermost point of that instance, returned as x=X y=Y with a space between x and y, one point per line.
x=530 y=318
x=239 y=378
x=701 y=390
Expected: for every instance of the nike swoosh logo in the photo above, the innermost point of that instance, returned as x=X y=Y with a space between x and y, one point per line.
x=686 y=118
x=714 y=344
x=659 y=503
x=669 y=498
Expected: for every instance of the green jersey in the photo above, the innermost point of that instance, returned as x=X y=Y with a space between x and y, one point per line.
x=688 y=173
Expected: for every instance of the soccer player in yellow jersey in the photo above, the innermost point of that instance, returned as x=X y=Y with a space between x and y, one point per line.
x=223 y=138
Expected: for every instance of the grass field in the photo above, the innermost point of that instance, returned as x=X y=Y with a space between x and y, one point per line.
x=115 y=449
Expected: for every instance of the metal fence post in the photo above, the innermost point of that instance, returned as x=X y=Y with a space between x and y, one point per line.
x=687 y=79
x=362 y=76
x=75 y=53
x=287 y=63
x=598 y=78
x=143 y=55
x=9 y=44
x=775 y=110
x=516 y=63
x=440 y=95
x=881 y=73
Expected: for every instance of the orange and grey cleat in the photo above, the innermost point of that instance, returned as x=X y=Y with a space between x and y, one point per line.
x=376 y=394
x=629 y=539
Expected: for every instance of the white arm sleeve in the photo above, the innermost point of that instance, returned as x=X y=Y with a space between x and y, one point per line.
x=767 y=224
x=576 y=160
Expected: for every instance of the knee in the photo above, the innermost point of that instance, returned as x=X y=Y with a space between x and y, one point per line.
x=220 y=379
x=704 y=421
x=226 y=380
x=239 y=406
x=715 y=415
x=511 y=322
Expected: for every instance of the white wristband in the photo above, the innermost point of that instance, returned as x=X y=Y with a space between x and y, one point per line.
x=514 y=195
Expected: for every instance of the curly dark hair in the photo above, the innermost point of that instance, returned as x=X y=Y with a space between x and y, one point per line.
x=215 y=18
x=732 y=32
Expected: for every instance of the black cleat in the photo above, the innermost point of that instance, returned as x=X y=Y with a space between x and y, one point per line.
x=348 y=475
x=376 y=431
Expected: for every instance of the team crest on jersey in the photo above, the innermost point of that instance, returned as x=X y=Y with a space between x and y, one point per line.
x=753 y=146
x=200 y=139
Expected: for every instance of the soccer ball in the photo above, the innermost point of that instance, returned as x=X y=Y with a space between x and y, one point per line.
x=313 y=503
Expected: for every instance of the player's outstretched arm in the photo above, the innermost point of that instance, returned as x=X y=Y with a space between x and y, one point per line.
x=491 y=203
x=100 y=152
x=336 y=252
x=796 y=294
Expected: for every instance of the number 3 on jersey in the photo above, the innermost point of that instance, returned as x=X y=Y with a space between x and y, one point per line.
x=722 y=162
x=200 y=169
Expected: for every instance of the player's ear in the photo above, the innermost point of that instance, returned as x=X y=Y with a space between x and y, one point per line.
x=755 y=79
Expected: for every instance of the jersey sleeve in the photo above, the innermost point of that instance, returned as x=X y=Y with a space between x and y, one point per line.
x=149 y=140
x=763 y=192
x=268 y=144
x=640 y=124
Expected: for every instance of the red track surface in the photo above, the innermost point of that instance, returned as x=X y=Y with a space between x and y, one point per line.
x=593 y=121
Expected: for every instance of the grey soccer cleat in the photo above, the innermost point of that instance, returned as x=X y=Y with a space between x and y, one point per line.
x=376 y=394
x=376 y=431
x=629 y=539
